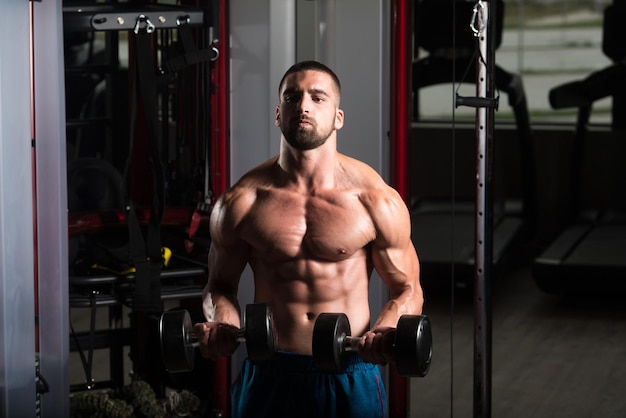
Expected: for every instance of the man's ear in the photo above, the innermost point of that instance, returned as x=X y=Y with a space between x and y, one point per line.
x=277 y=119
x=339 y=119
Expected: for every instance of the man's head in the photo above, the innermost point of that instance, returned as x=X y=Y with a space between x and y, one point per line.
x=308 y=112
x=311 y=66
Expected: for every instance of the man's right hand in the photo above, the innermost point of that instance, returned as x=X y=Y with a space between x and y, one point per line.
x=216 y=339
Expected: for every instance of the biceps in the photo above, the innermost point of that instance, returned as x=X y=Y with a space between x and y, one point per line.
x=226 y=266
x=397 y=266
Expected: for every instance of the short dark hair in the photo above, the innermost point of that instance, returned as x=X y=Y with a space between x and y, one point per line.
x=312 y=66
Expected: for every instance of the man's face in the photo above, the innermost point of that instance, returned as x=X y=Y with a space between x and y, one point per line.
x=308 y=113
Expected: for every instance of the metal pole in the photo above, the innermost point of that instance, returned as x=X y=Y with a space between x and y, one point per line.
x=220 y=174
x=17 y=293
x=400 y=113
x=483 y=27
x=51 y=205
x=399 y=132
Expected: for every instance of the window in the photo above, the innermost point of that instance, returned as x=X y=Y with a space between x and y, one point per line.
x=548 y=43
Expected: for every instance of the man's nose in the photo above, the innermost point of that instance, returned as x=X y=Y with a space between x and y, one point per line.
x=304 y=105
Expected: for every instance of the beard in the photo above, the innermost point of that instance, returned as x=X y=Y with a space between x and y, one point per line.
x=307 y=137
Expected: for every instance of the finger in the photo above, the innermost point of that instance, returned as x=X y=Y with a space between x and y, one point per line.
x=378 y=349
x=388 y=346
x=201 y=332
x=221 y=340
x=367 y=348
x=373 y=348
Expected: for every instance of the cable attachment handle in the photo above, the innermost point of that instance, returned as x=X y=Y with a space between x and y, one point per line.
x=478 y=15
x=143 y=22
x=477 y=102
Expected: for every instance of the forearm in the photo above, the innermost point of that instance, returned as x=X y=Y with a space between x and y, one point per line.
x=221 y=311
x=408 y=301
x=400 y=271
x=220 y=306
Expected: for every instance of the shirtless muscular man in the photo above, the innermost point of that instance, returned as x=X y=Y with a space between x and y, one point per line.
x=312 y=224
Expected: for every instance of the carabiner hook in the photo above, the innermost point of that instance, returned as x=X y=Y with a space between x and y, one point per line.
x=148 y=25
x=183 y=20
x=479 y=8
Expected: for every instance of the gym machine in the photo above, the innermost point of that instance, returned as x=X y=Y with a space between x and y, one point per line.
x=145 y=108
x=588 y=254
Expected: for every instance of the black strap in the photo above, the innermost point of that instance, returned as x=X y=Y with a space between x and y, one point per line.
x=191 y=54
x=146 y=254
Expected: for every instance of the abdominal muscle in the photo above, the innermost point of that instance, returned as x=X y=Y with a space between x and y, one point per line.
x=299 y=290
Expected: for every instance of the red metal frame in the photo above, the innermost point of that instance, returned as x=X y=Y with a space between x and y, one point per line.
x=401 y=94
x=220 y=151
x=220 y=175
x=401 y=30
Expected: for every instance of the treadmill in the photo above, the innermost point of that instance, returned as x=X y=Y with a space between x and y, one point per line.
x=589 y=255
x=443 y=230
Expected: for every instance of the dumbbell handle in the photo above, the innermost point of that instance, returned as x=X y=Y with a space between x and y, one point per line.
x=350 y=343
x=240 y=337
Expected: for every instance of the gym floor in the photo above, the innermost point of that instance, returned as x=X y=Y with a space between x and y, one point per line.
x=553 y=356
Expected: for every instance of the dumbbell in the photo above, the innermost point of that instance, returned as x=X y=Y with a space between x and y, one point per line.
x=178 y=341
x=412 y=344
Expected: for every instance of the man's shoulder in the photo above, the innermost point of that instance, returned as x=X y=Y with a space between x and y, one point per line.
x=237 y=195
x=374 y=192
x=366 y=178
x=249 y=184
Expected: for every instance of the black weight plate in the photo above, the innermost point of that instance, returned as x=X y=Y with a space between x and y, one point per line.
x=329 y=333
x=413 y=347
x=261 y=337
x=177 y=350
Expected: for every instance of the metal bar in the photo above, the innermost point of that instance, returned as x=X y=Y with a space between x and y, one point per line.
x=51 y=192
x=483 y=27
x=122 y=16
x=17 y=307
x=102 y=339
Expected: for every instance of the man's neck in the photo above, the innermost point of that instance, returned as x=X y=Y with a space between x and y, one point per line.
x=310 y=169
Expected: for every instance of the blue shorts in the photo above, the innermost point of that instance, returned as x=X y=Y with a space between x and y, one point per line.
x=289 y=386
